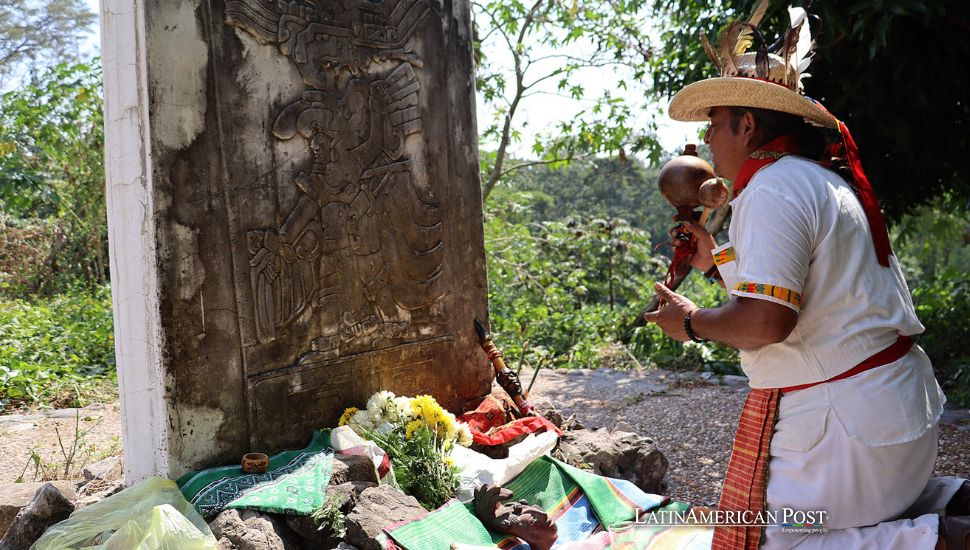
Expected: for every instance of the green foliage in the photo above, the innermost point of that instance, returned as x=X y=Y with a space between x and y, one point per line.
x=933 y=247
x=329 y=518
x=943 y=305
x=52 y=176
x=563 y=286
x=558 y=289
x=56 y=351
x=421 y=466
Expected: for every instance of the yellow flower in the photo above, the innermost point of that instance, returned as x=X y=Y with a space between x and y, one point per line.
x=411 y=427
x=426 y=408
x=449 y=462
x=447 y=428
x=344 y=418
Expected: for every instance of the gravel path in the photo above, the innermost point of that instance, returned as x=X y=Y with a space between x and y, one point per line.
x=691 y=420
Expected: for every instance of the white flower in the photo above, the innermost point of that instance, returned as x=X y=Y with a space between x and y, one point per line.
x=402 y=406
x=464 y=434
x=385 y=428
x=360 y=422
x=381 y=408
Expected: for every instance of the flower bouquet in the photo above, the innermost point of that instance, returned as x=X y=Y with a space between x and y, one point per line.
x=418 y=434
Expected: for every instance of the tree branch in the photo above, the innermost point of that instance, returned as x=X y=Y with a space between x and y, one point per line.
x=544 y=162
x=519 y=90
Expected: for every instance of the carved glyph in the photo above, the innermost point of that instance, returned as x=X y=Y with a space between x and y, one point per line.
x=361 y=250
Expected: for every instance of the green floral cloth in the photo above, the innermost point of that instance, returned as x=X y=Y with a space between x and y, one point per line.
x=295 y=483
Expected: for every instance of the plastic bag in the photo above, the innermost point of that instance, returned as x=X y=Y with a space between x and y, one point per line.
x=152 y=515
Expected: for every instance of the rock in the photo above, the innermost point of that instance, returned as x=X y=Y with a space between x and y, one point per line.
x=623 y=427
x=47 y=507
x=14 y=496
x=379 y=507
x=349 y=493
x=64 y=413
x=250 y=531
x=549 y=411
x=352 y=468
x=97 y=490
x=269 y=524
x=954 y=416
x=623 y=455
x=346 y=496
x=310 y=534
x=109 y=468
x=734 y=381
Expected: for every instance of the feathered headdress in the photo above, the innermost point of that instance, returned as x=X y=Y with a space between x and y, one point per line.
x=771 y=78
x=789 y=56
x=783 y=63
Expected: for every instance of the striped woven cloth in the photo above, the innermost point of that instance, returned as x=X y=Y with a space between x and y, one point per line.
x=580 y=503
x=747 y=474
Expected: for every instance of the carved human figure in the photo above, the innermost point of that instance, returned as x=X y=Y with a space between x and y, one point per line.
x=520 y=519
x=360 y=209
x=365 y=202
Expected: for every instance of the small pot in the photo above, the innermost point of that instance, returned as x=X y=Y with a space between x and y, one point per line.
x=255 y=463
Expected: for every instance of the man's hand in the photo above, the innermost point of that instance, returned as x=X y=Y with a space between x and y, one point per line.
x=702 y=260
x=670 y=318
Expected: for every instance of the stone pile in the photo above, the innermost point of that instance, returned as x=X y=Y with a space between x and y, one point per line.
x=365 y=506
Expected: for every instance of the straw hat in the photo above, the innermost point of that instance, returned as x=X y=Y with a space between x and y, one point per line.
x=761 y=80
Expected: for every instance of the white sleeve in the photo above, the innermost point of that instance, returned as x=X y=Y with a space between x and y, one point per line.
x=774 y=242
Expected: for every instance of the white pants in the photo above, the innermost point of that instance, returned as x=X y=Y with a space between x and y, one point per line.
x=878 y=498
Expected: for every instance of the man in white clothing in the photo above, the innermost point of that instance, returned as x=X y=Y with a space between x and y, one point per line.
x=844 y=407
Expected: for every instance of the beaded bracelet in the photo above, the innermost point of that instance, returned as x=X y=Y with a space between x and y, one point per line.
x=690 y=331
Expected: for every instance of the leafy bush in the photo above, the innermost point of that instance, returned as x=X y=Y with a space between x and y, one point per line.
x=57 y=351
x=562 y=293
x=943 y=305
x=933 y=247
x=559 y=290
x=52 y=181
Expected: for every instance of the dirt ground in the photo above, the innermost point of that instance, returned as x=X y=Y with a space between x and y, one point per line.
x=40 y=445
x=691 y=419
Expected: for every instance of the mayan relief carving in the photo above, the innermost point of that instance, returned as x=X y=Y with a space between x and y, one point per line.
x=361 y=250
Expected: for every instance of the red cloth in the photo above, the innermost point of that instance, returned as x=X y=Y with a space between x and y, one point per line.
x=765 y=155
x=862 y=188
x=489 y=424
x=747 y=474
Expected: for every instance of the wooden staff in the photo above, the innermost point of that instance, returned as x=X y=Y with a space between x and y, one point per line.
x=506 y=378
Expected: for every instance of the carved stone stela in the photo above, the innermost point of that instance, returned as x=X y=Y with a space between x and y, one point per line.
x=354 y=268
x=365 y=201
x=295 y=217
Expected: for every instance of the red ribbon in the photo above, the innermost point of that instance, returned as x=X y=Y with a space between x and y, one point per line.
x=862 y=188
